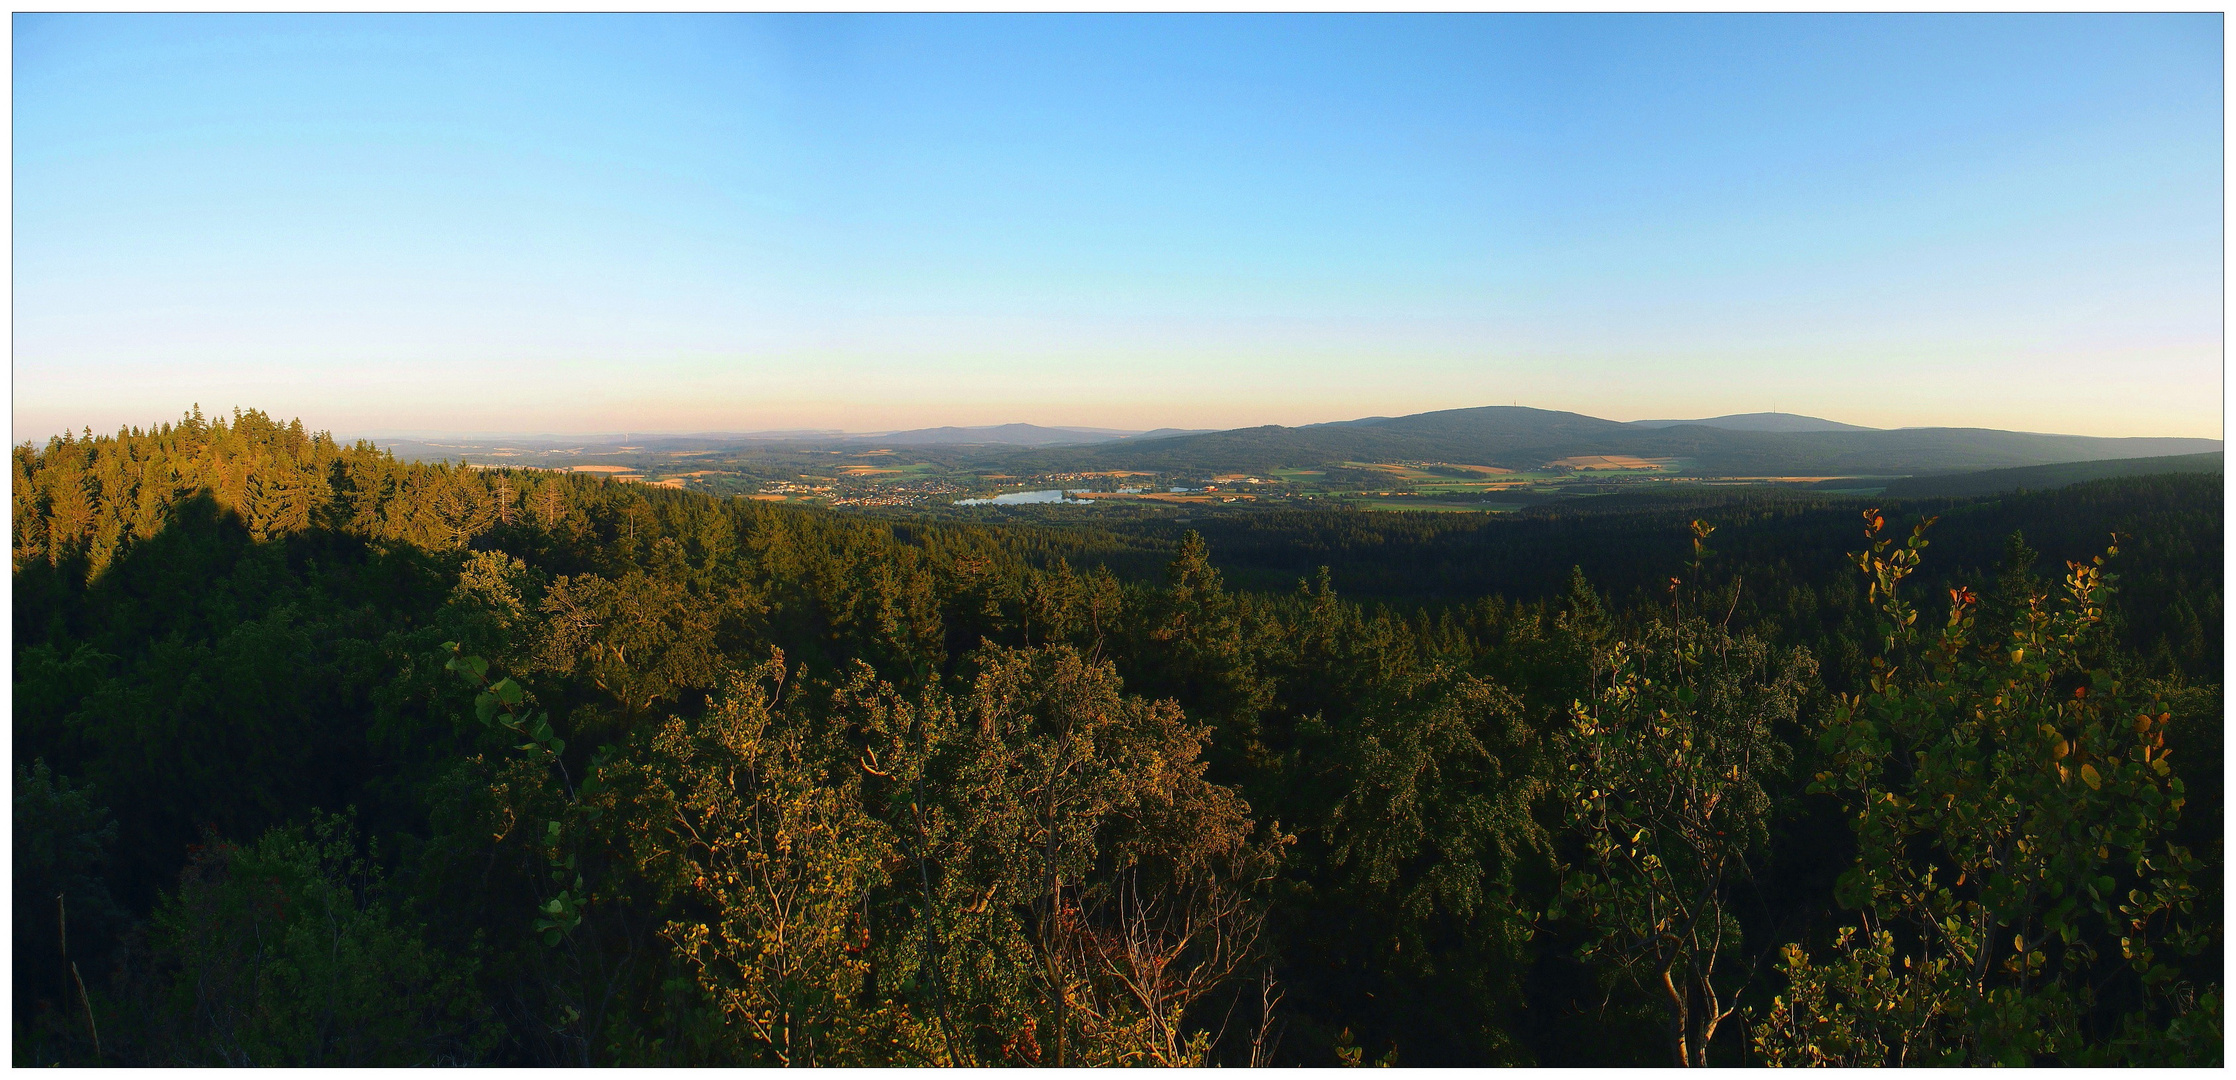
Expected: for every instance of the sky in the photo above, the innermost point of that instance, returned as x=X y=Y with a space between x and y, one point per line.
x=575 y=224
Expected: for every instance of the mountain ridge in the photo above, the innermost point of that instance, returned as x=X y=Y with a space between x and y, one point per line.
x=1760 y=421
x=1519 y=437
x=1511 y=437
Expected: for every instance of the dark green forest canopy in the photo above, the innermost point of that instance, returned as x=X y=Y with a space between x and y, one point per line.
x=2043 y=477
x=334 y=759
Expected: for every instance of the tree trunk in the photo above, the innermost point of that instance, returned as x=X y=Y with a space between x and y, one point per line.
x=1677 y=1018
x=1703 y=1017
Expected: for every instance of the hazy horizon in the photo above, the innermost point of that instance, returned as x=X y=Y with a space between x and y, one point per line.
x=614 y=433
x=574 y=225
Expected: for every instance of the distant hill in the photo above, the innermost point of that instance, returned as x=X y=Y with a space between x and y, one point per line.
x=996 y=435
x=1523 y=438
x=1168 y=432
x=2046 y=477
x=1758 y=421
x=973 y=442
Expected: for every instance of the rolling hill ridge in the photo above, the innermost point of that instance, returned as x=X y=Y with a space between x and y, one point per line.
x=1518 y=437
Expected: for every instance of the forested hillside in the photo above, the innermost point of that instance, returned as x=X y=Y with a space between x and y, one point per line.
x=2039 y=477
x=1522 y=438
x=328 y=759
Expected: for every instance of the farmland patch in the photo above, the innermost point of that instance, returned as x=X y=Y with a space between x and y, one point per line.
x=1613 y=462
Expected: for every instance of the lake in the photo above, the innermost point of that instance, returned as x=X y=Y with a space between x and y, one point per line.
x=1016 y=498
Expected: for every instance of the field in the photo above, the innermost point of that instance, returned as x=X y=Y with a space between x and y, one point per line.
x=1621 y=462
x=1165 y=497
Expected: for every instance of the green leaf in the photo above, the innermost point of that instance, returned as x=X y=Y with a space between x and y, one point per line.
x=508 y=691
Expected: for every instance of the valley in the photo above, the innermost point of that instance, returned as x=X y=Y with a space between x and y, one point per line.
x=1486 y=460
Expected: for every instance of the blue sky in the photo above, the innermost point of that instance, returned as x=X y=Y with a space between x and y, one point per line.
x=579 y=223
